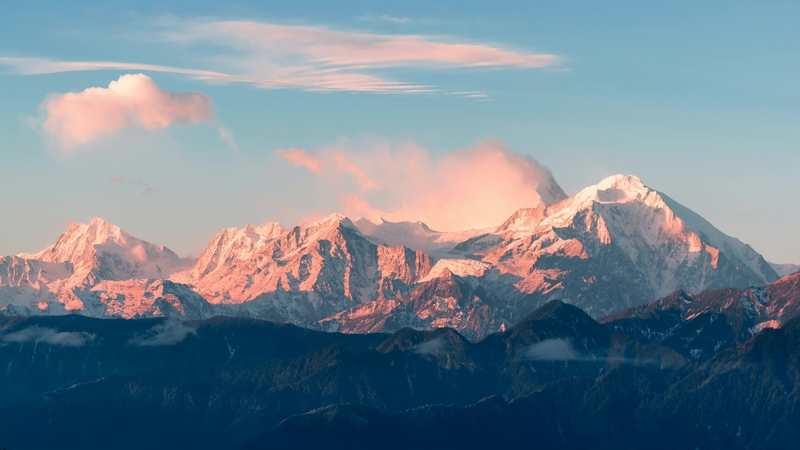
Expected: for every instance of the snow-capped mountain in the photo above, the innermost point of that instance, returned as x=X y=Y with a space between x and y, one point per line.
x=414 y=235
x=102 y=251
x=612 y=246
x=303 y=274
x=72 y=274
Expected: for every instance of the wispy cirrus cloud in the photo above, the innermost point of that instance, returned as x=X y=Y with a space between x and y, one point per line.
x=326 y=47
x=119 y=179
x=384 y=18
x=313 y=58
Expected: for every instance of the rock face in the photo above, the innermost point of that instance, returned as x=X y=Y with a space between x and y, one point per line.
x=612 y=246
x=444 y=301
x=304 y=274
x=703 y=324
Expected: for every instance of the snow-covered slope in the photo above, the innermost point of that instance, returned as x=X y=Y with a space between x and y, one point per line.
x=414 y=235
x=613 y=245
x=785 y=269
x=102 y=251
x=85 y=259
x=303 y=274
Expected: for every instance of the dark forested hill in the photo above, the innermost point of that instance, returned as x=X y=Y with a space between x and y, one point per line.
x=747 y=397
x=558 y=379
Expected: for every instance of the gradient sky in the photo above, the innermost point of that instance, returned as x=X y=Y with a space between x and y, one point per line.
x=700 y=100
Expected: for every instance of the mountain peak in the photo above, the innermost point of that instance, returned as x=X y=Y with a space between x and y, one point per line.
x=617 y=189
x=102 y=231
x=622 y=181
x=98 y=221
x=268 y=230
x=333 y=218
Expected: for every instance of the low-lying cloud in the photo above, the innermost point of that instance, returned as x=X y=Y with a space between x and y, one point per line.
x=168 y=332
x=433 y=347
x=558 y=349
x=132 y=101
x=49 y=336
x=555 y=350
x=465 y=188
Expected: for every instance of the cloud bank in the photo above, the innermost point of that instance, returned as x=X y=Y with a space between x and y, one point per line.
x=554 y=350
x=466 y=188
x=559 y=349
x=78 y=118
x=50 y=336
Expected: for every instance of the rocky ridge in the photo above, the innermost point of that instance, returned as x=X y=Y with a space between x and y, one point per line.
x=612 y=246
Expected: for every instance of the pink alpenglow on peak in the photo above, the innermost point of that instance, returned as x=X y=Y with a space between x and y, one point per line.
x=101 y=250
x=78 y=118
x=463 y=189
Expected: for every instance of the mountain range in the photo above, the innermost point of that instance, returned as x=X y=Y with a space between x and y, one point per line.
x=610 y=247
x=558 y=379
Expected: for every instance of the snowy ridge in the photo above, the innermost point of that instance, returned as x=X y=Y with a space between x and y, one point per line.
x=613 y=245
x=784 y=270
x=414 y=235
x=102 y=251
x=56 y=279
x=303 y=274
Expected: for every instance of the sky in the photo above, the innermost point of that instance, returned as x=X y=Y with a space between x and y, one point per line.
x=175 y=119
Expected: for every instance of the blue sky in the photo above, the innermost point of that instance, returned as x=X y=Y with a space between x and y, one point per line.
x=698 y=99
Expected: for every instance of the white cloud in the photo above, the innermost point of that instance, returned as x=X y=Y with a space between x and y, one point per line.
x=50 y=336
x=168 y=332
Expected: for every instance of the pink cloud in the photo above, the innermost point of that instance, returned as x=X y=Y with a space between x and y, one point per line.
x=466 y=188
x=131 y=101
x=302 y=158
x=312 y=58
x=298 y=77
x=341 y=48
